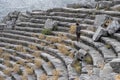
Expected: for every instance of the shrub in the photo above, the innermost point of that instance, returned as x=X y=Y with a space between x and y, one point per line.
x=46 y=32
x=72 y=29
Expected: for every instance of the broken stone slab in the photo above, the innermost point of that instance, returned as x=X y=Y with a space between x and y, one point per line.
x=100 y=20
x=50 y=24
x=115 y=64
x=100 y=32
x=113 y=27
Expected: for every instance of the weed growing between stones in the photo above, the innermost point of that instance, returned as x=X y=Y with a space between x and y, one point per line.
x=33 y=47
x=29 y=70
x=46 y=32
x=72 y=29
x=56 y=72
x=43 y=77
x=1 y=50
x=7 y=71
x=38 y=63
x=62 y=48
x=88 y=59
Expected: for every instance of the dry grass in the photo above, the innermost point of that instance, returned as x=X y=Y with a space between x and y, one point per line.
x=38 y=63
x=33 y=47
x=117 y=77
x=55 y=77
x=21 y=62
x=88 y=59
x=71 y=55
x=43 y=77
x=29 y=70
x=7 y=63
x=50 y=64
x=72 y=29
x=20 y=48
x=7 y=71
x=16 y=68
x=2 y=78
x=24 y=77
x=43 y=44
x=62 y=48
x=37 y=54
x=41 y=36
x=56 y=72
x=77 y=66
x=53 y=39
x=1 y=50
x=6 y=56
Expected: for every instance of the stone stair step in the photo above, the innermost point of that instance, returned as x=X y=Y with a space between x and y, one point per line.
x=22 y=37
x=28 y=24
x=47 y=69
x=29 y=29
x=113 y=43
x=83 y=10
x=117 y=36
x=96 y=56
x=105 y=52
x=64 y=19
x=87 y=33
x=57 y=64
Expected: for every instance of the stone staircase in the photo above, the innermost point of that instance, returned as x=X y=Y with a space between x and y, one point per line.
x=27 y=54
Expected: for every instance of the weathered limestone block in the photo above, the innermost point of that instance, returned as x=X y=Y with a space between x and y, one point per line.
x=113 y=27
x=116 y=7
x=115 y=64
x=50 y=24
x=2 y=26
x=100 y=32
x=100 y=20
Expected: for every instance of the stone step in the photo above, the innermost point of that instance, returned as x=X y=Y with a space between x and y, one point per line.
x=105 y=52
x=20 y=42
x=117 y=36
x=57 y=63
x=22 y=37
x=29 y=29
x=28 y=24
x=96 y=56
x=83 y=10
x=65 y=19
x=67 y=61
x=113 y=44
x=47 y=69
x=77 y=15
x=87 y=33
x=23 y=33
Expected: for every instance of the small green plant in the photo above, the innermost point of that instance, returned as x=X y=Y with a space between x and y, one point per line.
x=47 y=31
x=55 y=28
x=20 y=72
x=88 y=59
